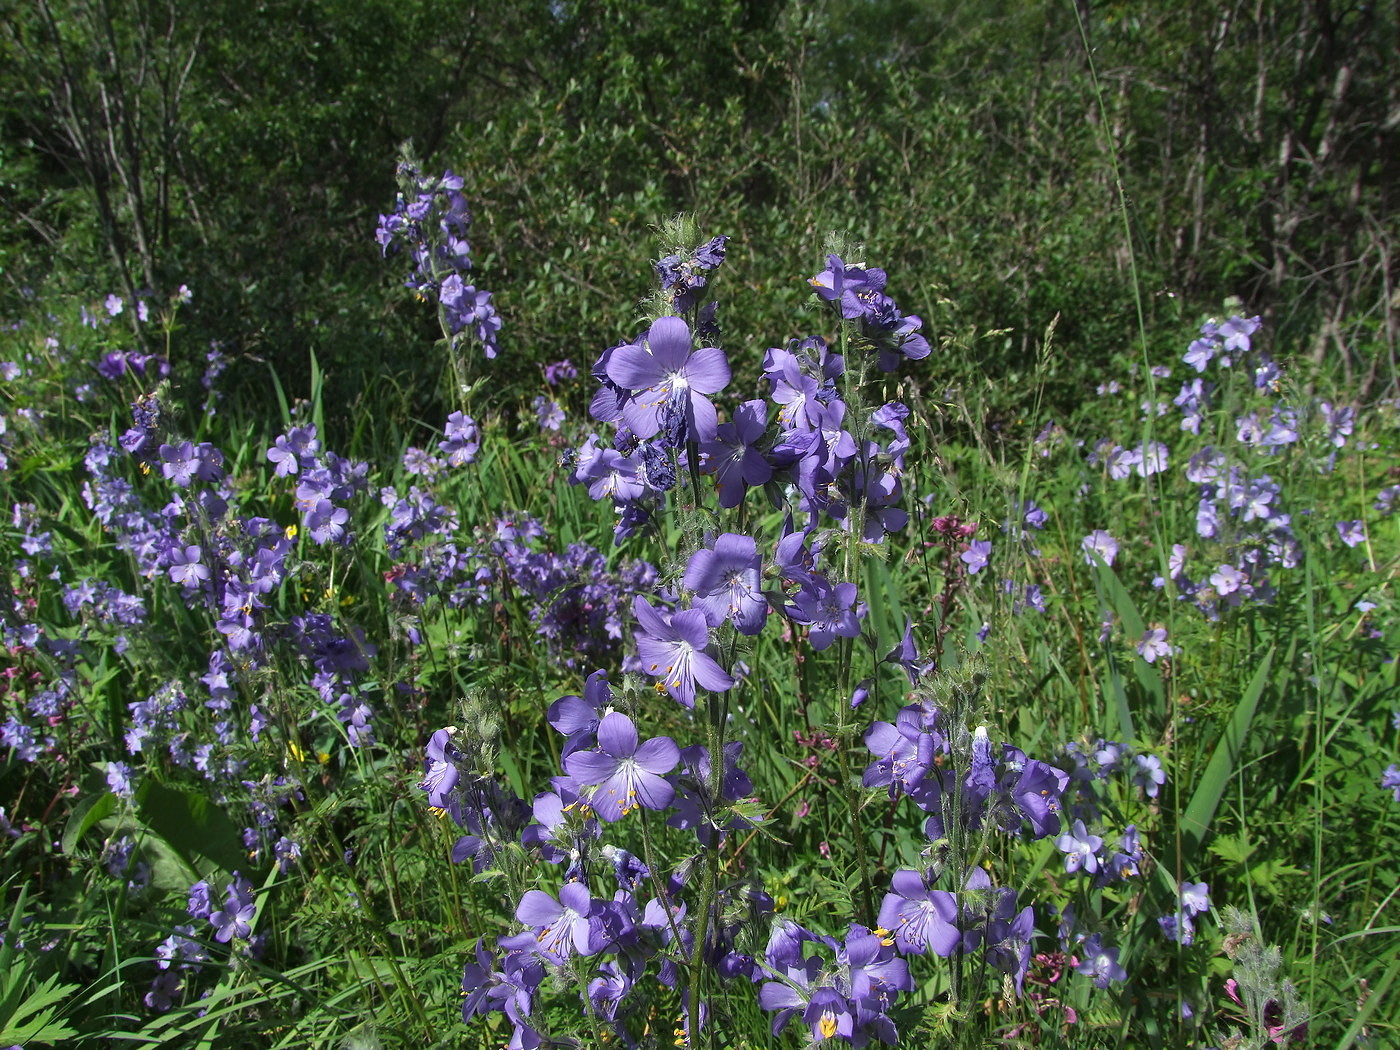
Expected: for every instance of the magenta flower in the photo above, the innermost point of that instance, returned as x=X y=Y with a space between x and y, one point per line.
x=623 y=773
x=672 y=648
x=670 y=380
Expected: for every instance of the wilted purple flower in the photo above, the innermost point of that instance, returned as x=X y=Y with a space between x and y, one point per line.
x=622 y=773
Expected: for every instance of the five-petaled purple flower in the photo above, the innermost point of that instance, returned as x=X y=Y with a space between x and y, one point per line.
x=669 y=379
x=623 y=773
x=672 y=649
x=727 y=582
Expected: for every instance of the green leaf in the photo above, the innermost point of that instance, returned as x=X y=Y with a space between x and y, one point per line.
x=1195 y=822
x=196 y=829
x=40 y=1005
x=86 y=815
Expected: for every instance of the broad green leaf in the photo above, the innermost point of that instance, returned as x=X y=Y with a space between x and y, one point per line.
x=1195 y=822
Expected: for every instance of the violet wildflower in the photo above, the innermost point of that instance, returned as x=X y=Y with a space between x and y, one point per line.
x=1037 y=794
x=727 y=582
x=1148 y=774
x=1153 y=645
x=1101 y=545
x=622 y=773
x=1100 y=963
x=1351 y=532
x=1390 y=780
x=1195 y=897
x=676 y=642
x=578 y=717
x=921 y=919
x=463 y=439
x=440 y=778
x=670 y=379
x=548 y=414
x=186 y=568
x=560 y=927
x=119 y=776
x=977 y=555
x=828 y=611
x=1080 y=849
x=235 y=919
x=733 y=456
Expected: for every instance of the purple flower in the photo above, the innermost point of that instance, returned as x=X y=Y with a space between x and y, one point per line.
x=1080 y=849
x=733 y=456
x=1351 y=532
x=1099 y=543
x=827 y=610
x=186 y=569
x=977 y=555
x=727 y=583
x=1390 y=780
x=1195 y=897
x=1100 y=963
x=548 y=413
x=463 y=440
x=855 y=290
x=325 y=522
x=1037 y=795
x=563 y=926
x=622 y=773
x=1154 y=644
x=921 y=919
x=578 y=717
x=119 y=779
x=672 y=648
x=440 y=778
x=670 y=380
x=1148 y=774
x=236 y=917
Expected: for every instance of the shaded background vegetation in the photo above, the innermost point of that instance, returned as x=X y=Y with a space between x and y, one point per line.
x=246 y=148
